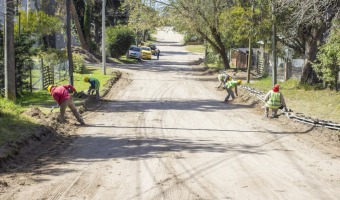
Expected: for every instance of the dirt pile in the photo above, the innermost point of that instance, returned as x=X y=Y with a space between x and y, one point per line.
x=47 y=133
x=88 y=57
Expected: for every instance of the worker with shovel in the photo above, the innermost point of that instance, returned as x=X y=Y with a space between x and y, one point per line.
x=94 y=86
x=61 y=95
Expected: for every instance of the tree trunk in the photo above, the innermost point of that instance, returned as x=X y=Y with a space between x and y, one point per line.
x=78 y=26
x=69 y=38
x=9 y=51
x=218 y=46
x=336 y=81
x=308 y=74
x=225 y=59
x=97 y=31
x=87 y=23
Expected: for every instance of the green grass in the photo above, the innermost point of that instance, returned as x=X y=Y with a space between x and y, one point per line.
x=125 y=60
x=43 y=100
x=195 y=48
x=12 y=123
x=322 y=104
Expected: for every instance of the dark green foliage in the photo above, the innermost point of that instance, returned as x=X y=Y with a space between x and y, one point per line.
x=78 y=62
x=119 y=39
x=87 y=22
x=23 y=63
x=2 y=84
x=192 y=39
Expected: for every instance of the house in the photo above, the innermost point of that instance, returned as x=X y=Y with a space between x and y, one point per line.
x=239 y=57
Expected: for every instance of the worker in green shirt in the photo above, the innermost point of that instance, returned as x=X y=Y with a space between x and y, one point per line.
x=94 y=86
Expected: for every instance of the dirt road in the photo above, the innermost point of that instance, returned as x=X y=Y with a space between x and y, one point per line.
x=163 y=132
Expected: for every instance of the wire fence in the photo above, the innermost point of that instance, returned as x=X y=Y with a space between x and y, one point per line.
x=42 y=75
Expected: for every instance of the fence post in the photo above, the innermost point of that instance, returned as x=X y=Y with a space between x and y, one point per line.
x=288 y=70
x=31 y=86
x=42 y=73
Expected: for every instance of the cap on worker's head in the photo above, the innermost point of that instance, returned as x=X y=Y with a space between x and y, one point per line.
x=239 y=82
x=86 y=79
x=49 y=88
x=276 y=86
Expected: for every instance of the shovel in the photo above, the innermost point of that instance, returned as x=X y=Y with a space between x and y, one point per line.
x=52 y=109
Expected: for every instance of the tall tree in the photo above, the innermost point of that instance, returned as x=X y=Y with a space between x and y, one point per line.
x=328 y=63
x=202 y=17
x=40 y=24
x=303 y=25
x=142 y=17
x=87 y=22
x=9 y=57
x=75 y=17
x=243 y=21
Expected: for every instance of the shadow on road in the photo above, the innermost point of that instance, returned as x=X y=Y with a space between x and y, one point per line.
x=145 y=106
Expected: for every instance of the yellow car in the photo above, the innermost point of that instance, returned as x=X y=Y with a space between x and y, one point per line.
x=146 y=52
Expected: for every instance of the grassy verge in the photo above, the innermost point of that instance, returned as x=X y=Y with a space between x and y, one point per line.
x=43 y=99
x=195 y=48
x=322 y=104
x=15 y=126
x=124 y=60
x=12 y=123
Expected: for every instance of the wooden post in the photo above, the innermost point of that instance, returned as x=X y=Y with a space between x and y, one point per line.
x=9 y=52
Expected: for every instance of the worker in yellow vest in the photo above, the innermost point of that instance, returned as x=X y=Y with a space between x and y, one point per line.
x=223 y=78
x=274 y=100
x=229 y=86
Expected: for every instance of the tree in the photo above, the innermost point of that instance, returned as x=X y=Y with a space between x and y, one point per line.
x=142 y=18
x=244 y=22
x=203 y=18
x=119 y=39
x=302 y=26
x=328 y=65
x=9 y=54
x=40 y=25
x=82 y=40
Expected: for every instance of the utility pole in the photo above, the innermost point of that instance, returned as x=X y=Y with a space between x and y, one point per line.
x=103 y=39
x=9 y=54
x=69 y=41
x=250 y=54
x=274 y=71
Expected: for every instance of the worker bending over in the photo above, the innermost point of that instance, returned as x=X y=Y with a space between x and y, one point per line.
x=61 y=95
x=223 y=78
x=229 y=86
x=94 y=86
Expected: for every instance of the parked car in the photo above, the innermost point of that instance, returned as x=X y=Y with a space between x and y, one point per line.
x=153 y=48
x=146 y=52
x=134 y=52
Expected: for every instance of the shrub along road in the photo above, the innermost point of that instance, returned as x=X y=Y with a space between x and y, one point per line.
x=163 y=132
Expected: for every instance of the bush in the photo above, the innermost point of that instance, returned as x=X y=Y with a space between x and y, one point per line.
x=192 y=39
x=119 y=39
x=78 y=63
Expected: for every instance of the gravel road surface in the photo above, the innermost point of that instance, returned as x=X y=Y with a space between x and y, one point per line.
x=164 y=132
